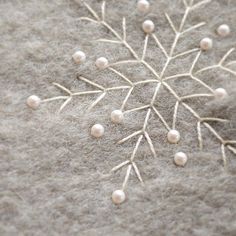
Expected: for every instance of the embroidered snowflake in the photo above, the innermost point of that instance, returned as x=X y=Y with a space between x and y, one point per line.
x=160 y=81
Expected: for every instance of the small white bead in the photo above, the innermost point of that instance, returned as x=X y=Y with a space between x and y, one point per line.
x=97 y=131
x=223 y=30
x=148 y=26
x=117 y=116
x=118 y=196
x=143 y=5
x=220 y=93
x=101 y=62
x=206 y=44
x=33 y=101
x=180 y=158
x=79 y=57
x=173 y=136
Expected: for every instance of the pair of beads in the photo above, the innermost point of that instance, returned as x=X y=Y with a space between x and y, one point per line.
x=97 y=130
x=173 y=137
x=143 y=6
x=207 y=43
x=118 y=196
x=79 y=57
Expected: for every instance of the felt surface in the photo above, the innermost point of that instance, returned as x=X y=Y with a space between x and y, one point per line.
x=55 y=178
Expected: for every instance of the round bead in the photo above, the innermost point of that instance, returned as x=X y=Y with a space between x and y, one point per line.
x=33 y=101
x=117 y=116
x=173 y=136
x=79 y=57
x=220 y=93
x=143 y=5
x=180 y=159
x=206 y=44
x=118 y=196
x=97 y=131
x=223 y=30
x=148 y=26
x=101 y=62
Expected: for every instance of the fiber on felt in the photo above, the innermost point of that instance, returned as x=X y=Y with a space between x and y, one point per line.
x=55 y=178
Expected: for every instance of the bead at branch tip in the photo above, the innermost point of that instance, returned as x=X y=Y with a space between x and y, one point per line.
x=220 y=93
x=173 y=136
x=97 y=131
x=180 y=159
x=118 y=197
x=206 y=44
x=101 y=62
x=117 y=116
x=79 y=57
x=143 y=5
x=148 y=26
x=223 y=30
x=33 y=101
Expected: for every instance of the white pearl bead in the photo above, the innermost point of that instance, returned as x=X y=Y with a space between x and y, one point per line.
x=148 y=26
x=180 y=158
x=206 y=44
x=223 y=30
x=79 y=57
x=101 y=62
x=173 y=136
x=118 y=196
x=117 y=116
x=97 y=131
x=143 y=5
x=33 y=101
x=220 y=93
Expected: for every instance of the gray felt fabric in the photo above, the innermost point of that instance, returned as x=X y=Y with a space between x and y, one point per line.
x=55 y=178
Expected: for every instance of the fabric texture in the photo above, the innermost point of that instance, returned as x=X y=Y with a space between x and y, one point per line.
x=55 y=178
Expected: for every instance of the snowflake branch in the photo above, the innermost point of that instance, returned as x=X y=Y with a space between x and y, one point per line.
x=185 y=53
x=94 y=14
x=196 y=96
x=97 y=101
x=193 y=27
x=199 y=132
x=63 y=88
x=137 y=172
x=150 y=144
x=127 y=176
x=136 y=148
x=126 y=99
x=145 y=47
x=160 y=45
x=199 y=4
x=161 y=118
x=88 y=19
x=175 y=114
x=124 y=29
x=64 y=104
x=91 y=82
x=220 y=64
x=137 y=109
x=55 y=98
x=171 y=23
x=126 y=79
x=124 y=62
x=120 y=166
x=109 y=41
x=130 y=136
x=103 y=10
